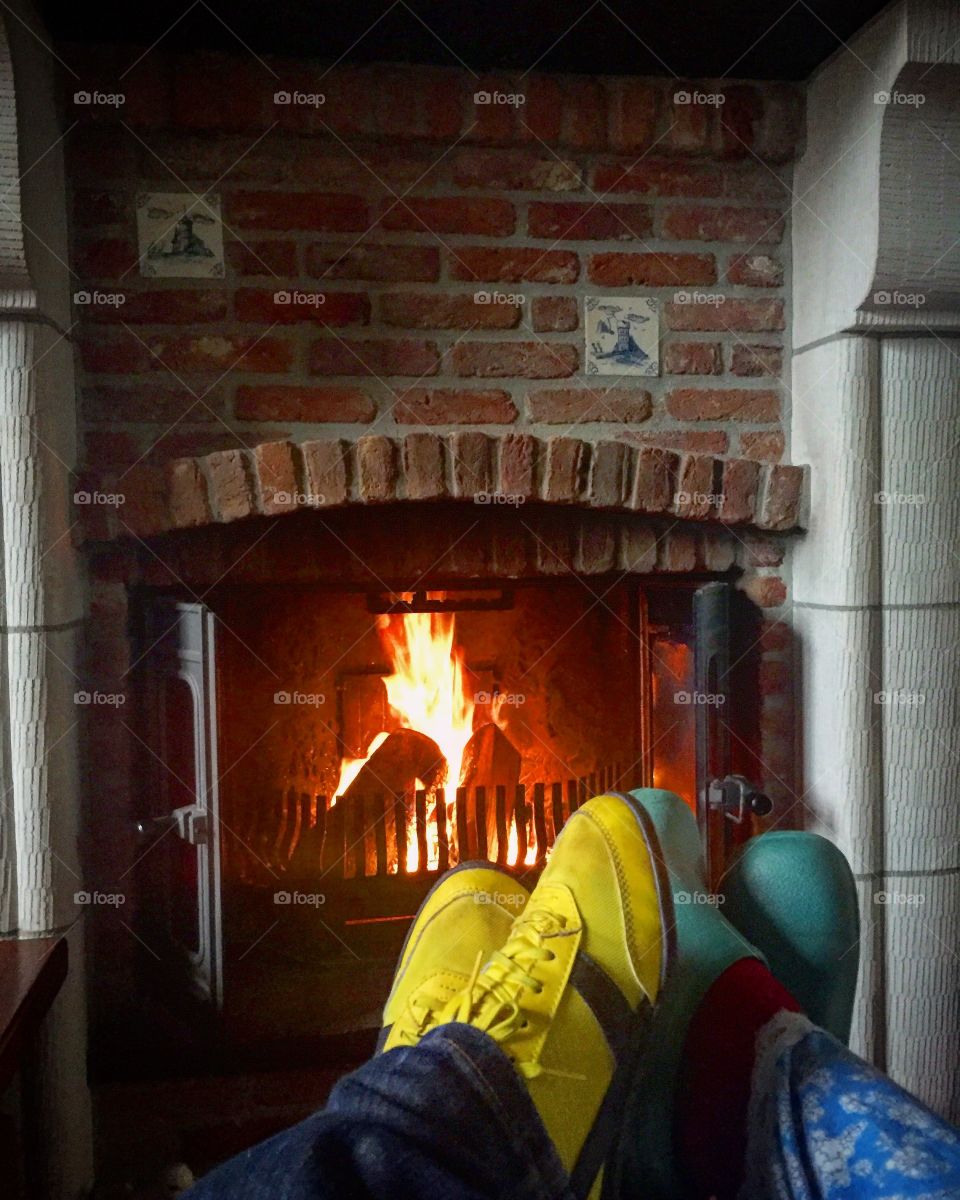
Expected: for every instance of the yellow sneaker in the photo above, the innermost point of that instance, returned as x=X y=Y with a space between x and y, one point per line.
x=569 y=993
x=466 y=915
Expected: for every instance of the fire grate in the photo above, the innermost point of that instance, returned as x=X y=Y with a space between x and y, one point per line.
x=382 y=835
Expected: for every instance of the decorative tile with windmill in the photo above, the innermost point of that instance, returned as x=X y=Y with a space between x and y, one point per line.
x=622 y=335
x=180 y=235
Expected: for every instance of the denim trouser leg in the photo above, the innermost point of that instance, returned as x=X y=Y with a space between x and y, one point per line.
x=449 y=1119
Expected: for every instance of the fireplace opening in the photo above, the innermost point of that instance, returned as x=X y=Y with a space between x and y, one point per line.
x=319 y=755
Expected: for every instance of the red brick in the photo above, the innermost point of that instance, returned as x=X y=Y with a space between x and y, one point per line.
x=490 y=122
x=776 y=678
x=782 y=497
x=775 y=635
x=767 y=447
x=150 y=402
x=516 y=170
x=564 y=462
x=741 y=478
x=325 y=471
x=609 y=468
x=583 y=124
x=719 y=549
x=186 y=494
x=653 y=484
x=744 y=182
x=441 y=104
x=297 y=210
x=450 y=406
x=739 y=120
x=756 y=360
x=514 y=264
x=96 y=155
x=424 y=466
x=658 y=177
x=749 y=316
x=688 y=125
x=334 y=405
x=518 y=465
x=277 y=475
x=638 y=547
x=568 y=406
x=261 y=306
x=589 y=221
x=169 y=306
x=554 y=314
x=386 y=264
x=722 y=224
x=231 y=486
x=677 y=551
x=376 y=468
x=766 y=591
x=107 y=258
x=721 y=404
x=631 y=114
x=541 y=117
x=692 y=358
x=782 y=124
x=335 y=356
x=122 y=354
x=762 y=550
x=349 y=94
x=145 y=510
x=223 y=92
x=755 y=270
x=438 y=310
x=451 y=214
x=93 y=208
x=707 y=441
x=693 y=498
x=221 y=352
x=276 y=258
x=523 y=360
x=471 y=457
x=183 y=442
x=108 y=448
x=651 y=270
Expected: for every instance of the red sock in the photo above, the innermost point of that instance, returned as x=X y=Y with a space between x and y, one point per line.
x=718 y=1065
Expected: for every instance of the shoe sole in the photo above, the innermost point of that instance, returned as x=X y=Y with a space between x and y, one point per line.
x=603 y=1135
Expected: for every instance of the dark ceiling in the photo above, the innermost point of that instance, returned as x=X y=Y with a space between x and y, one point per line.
x=755 y=39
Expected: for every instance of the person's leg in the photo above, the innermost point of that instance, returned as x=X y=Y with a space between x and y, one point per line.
x=743 y=1097
x=825 y=1125
x=448 y=1118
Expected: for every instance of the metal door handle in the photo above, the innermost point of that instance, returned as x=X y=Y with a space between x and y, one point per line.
x=735 y=796
x=190 y=823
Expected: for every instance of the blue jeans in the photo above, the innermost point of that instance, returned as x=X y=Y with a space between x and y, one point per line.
x=447 y=1119
x=450 y=1119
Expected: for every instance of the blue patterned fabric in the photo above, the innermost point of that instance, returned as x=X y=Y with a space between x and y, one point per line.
x=827 y=1126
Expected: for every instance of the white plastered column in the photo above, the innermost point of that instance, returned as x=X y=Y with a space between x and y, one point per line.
x=876 y=410
x=42 y=589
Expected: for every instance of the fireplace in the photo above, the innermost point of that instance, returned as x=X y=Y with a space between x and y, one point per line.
x=315 y=753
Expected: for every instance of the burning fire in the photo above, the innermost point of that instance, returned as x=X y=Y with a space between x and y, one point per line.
x=428 y=693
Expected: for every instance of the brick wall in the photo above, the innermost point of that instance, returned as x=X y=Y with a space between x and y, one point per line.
x=399 y=199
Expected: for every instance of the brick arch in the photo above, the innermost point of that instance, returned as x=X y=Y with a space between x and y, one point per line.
x=276 y=478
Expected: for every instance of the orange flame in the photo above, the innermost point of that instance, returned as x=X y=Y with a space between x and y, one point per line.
x=427 y=693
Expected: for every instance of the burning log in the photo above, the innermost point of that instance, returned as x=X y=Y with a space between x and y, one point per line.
x=396 y=765
x=490 y=760
x=393 y=769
